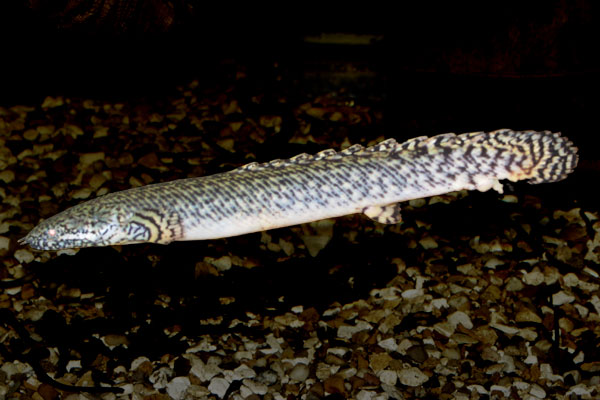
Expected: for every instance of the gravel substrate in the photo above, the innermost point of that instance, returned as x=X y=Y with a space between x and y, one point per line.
x=474 y=295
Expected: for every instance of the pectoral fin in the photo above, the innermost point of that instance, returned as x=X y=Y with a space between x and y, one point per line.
x=389 y=214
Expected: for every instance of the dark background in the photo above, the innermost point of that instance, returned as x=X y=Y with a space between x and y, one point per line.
x=441 y=67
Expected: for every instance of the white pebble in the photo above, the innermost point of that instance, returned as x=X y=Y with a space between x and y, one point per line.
x=579 y=358
x=548 y=374
x=537 y=391
x=514 y=285
x=17 y=367
x=412 y=377
x=297 y=309
x=242 y=372
x=218 y=386
x=388 y=344
x=68 y=252
x=4 y=243
x=299 y=372
x=338 y=351
x=388 y=377
x=561 y=298
x=256 y=387
x=505 y=328
x=596 y=303
x=439 y=303
x=391 y=392
x=534 y=278
x=445 y=328
x=4 y=226
x=178 y=386
x=492 y=263
x=591 y=272
x=24 y=256
x=520 y=385
x=477 y=388
x=528 y=334
x=570 y=279
x=73 y=364
x=127 y=389
x=222 y=263
x=366 y=394
x=204 y=345
x=346 y=331
x=347 y=373
x=205 y=372
x=160 y=377
x=459 y=317
x=412 y=293
x=503 y=389
x=579 y=390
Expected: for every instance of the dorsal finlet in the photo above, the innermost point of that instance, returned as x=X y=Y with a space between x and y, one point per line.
x=381 y=149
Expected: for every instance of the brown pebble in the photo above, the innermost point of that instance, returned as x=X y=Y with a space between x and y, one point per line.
x=145 y=368
x=28 y=291
x=317 y=389
x=334 y=384
x=593 y=366
x=490 y=354
x=202 y=269
x=527 y=315
x=492 y=293
x=116 y=340
x=362 y=363
x=417 y=353
x=379 y=361
x=357 y=382
x=126 y=159
x=486 y=335
x=47 y=392
x=309 y=315
x=371 y=379
x=97 y=180
x=334 y=360
x=150 y=160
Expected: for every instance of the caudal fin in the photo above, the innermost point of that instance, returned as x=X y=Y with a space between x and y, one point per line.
x=538 y=157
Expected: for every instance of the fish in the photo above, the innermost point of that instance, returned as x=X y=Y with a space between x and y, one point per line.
x=257 y=197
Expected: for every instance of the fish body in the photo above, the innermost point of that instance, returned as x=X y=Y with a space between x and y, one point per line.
x=307 y=188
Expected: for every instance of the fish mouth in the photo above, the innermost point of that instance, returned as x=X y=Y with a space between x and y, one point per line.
x=27 y=240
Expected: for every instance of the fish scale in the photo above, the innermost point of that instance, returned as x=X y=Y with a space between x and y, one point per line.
x=307 y=188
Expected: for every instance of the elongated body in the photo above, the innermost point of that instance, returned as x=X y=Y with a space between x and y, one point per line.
x=307 y=188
